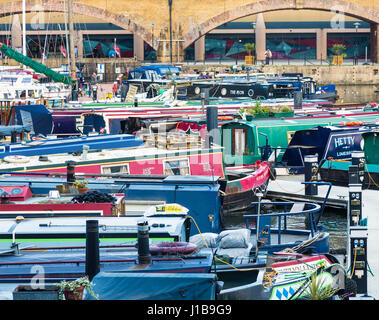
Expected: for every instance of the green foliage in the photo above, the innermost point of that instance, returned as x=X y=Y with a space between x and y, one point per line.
x=249 y=48
x=338 y=49
x=317 y=290
x=75 y=284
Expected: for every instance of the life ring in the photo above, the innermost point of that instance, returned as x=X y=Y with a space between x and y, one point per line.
x=173 y=248
x=352 y=123
x=225 y=118
x=16 y=159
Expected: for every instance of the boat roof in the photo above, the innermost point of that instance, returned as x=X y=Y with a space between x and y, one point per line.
x=353 y=116
x=135 y=153
x=63 y=225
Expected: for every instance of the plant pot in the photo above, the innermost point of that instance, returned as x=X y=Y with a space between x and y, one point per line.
x=26 y=292
x=83 y=190
x=261 y=115
x=249 y=117
x=282 y=114
x=76 y=294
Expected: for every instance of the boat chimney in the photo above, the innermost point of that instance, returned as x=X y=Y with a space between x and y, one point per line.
x=298 y=99
x=92 y=248
x=70 y=172
x=212 y=125
x=144 y=256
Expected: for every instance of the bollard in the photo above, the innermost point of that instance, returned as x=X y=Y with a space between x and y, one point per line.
x=92 y=248
x=212 y=124
x=298 y=99
x=310 y=170
x=144 y=256
x=70 y=171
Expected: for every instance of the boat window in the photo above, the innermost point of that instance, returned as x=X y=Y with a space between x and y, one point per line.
x=123 y=168
x=239 y=139
x=176 y=167
x=290 y=135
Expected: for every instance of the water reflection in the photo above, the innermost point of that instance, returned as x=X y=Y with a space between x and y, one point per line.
x=357 y=93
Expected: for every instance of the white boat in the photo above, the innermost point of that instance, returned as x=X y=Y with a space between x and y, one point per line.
x=22 y=85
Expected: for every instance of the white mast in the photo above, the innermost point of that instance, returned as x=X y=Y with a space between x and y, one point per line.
x=23 y=28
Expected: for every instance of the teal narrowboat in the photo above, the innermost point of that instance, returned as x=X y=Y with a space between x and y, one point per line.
x=245 y=141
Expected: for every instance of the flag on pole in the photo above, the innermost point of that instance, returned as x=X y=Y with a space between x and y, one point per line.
x=63 y=50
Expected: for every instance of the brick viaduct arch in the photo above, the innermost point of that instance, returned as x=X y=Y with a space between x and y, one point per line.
x=348 y=8
x=122 y=21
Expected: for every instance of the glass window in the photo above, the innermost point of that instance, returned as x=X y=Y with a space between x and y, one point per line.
x=124 y=168
x=176 y=167
x=239 y=141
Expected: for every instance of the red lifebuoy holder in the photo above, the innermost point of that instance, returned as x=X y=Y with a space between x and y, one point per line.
x=173 y=248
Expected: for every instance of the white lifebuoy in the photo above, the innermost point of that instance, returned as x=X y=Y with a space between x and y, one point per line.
x=250 y=92
x=16 y=159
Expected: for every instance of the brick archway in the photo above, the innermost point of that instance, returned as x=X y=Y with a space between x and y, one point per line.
x=122 y=21
x=349 y=8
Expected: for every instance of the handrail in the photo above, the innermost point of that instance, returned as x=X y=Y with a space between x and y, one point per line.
x=314 y=208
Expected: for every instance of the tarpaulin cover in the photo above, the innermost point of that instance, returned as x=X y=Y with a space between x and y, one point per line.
x=36 y=66
x=153 y=286
x=7 y=130
x=36 y=116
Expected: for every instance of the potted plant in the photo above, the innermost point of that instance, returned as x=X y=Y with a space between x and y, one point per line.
x=338 y=49
x=317 y=289
x=81 y=186
x=259 y=111
x=250 y=113
x=282 y=111
x=73 y=290
x=249 y=48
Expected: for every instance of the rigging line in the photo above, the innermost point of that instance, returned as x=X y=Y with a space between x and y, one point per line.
x=46 y=41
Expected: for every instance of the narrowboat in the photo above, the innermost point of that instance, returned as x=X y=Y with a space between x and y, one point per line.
x=201 y=195
x=57 y=222
x=337 y=142
x=172 y=154
x=244 y=141
x=336 y=171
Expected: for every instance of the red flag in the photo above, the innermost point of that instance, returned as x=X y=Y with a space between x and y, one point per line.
x=117 y=50
x=63 y=50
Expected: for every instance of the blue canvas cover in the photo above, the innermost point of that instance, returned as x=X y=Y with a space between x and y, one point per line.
x=36 y=116
x=154 y=286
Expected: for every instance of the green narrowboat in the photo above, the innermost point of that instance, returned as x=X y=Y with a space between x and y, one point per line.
x=243 y=140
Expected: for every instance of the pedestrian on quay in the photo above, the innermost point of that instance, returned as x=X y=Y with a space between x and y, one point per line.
x=268 y=55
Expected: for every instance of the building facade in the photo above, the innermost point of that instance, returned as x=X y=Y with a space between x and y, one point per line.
x=173 y=31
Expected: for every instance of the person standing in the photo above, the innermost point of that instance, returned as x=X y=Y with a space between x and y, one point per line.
x=268 y=55
x=94 y=85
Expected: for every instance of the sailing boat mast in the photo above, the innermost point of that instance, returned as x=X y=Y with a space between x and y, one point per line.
x=24 y=27
x=72 y=35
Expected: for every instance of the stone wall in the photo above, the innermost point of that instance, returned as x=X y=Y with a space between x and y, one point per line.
x=339 y=75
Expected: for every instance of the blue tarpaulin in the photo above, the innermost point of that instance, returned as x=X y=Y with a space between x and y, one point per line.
x=36 y=116
x=153 y=286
